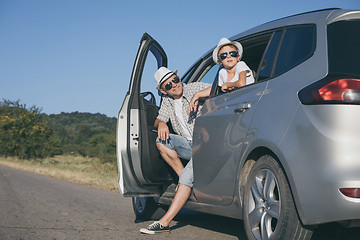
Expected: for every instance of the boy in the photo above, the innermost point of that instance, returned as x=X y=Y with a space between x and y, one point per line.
x=234 y=74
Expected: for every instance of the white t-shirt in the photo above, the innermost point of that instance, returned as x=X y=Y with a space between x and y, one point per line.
x=240 y=66
x=180 y=117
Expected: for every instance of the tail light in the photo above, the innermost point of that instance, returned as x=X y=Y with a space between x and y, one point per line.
x=350 y=192
x=333 y=89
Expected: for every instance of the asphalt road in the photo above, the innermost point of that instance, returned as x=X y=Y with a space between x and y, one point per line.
x=38 y=207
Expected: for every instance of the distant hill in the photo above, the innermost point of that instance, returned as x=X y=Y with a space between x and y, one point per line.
x=86 y=134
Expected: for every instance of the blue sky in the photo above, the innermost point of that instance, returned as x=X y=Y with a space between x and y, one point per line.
x=77 y=55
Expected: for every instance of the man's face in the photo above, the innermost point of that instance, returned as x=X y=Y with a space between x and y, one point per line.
x=173 y=87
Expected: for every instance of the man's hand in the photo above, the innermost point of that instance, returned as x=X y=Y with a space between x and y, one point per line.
x=163 y=131
x=193 y=104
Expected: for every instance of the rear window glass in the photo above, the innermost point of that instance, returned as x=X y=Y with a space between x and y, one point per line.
x=344 y=47
x=297 y=45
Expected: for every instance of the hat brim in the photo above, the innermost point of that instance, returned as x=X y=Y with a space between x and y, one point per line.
x=216 y=50
x=165 y=77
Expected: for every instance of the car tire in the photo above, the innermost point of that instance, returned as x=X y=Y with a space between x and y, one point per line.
x=145 y=208
x=269 y=210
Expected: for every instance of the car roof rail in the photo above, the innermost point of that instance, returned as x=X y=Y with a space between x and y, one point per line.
x=320 y=10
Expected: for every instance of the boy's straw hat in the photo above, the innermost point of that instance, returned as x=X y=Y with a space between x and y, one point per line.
x=225 y=41
x=161 y=75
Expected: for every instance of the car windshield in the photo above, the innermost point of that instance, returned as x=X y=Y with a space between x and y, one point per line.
x=344 y=47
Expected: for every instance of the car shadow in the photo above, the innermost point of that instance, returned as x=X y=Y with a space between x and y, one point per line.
x=234 y=227
x=334 y=231
x=224 y=225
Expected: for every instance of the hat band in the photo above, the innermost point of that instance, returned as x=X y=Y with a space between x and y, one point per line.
x=162 y=79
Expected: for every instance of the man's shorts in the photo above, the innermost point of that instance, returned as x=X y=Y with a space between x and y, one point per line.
x=180 y=144
x=187 y=175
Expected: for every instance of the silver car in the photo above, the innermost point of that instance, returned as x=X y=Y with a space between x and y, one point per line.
x=283 y=154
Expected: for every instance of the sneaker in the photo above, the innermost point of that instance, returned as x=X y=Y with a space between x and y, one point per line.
x=155 y=227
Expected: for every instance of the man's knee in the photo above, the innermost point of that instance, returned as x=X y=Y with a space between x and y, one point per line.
x=162 y=148
x=159 y=145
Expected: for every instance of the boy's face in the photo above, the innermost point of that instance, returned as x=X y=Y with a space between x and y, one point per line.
x=176 y=90
x=229 y=61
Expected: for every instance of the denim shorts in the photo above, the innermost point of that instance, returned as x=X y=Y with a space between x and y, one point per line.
x=183 y=148
x=180 y=144
x=187 y=175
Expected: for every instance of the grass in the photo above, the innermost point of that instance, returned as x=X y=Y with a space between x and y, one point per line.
x=88 y=171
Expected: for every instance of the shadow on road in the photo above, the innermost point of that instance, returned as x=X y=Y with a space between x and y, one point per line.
x=210 y=222
x=234 y=227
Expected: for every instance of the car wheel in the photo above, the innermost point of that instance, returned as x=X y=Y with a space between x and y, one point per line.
x=145 y=208
x=269 y=210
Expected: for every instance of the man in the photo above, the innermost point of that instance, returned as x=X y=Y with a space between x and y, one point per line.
x=172 y=147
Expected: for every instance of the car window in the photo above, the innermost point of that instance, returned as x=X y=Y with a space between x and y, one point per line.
x=344 y=47
x=254 y=49
x=297 y=45
x=267 y=64
x=185 y=78
x=148 y=84
x=208 y=76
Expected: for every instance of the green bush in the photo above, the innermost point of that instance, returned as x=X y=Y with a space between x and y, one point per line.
x=86 y=134
x=25 y=133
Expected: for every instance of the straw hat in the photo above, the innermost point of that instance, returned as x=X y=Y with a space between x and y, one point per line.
x=161 y=75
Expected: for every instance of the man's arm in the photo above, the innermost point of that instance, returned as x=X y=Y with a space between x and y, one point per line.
x=163 y=129
x=195 y=99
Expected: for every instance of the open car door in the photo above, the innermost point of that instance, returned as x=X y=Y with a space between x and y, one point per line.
x=142 y=172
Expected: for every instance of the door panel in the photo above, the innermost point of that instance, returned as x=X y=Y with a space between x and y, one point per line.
x=141 y=170
x=219 y=142
x=222 y=133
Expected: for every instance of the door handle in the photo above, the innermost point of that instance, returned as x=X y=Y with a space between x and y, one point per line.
x=243 y=108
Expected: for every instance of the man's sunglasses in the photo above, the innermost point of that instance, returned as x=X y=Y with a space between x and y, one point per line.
x=222 y=56
x=169 y=86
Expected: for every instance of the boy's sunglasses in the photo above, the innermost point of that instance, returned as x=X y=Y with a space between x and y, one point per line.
x=222 y=56
x=169 y=86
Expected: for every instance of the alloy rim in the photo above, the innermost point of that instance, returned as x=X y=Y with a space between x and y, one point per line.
x=264 y=204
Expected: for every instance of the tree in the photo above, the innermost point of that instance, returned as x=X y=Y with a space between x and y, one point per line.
x=87 y=134
x=102 y=145
x=25 y=133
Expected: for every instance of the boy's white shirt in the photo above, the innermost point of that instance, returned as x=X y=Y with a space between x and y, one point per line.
x=240 y=66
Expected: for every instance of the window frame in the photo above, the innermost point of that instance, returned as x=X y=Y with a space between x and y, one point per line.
x=197 y=71
x=215 y=89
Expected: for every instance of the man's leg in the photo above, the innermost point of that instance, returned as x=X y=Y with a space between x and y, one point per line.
x=186 y=180
x=181 y=196
x=171 y=157
x=173 y=149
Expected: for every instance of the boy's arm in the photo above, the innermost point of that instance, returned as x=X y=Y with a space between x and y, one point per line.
x=238 y=83
x=195 y=99
x=242 y=80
